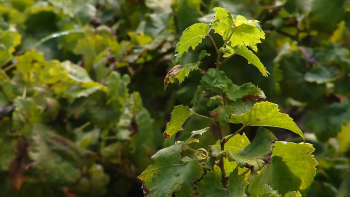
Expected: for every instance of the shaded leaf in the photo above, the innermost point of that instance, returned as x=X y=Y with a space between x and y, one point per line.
x=299 y=159
x=278 y=176
x=168 y=166
x=211 y=185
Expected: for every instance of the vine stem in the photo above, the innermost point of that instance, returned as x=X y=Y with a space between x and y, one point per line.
x=212 y=41
x=223 y=141
x=218 y=63
x=223 y=62
x=230 y=136
x=206 y=117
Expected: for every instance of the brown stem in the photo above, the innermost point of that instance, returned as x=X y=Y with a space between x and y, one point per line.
x=288 y=35
x=202 y=71
x=223 y=62
x=212 y=41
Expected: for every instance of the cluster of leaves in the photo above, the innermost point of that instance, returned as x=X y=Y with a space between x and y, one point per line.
x=232 y=166
x=73 y=72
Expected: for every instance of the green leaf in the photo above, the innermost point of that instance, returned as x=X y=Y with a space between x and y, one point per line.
x=326 y=122
x=299 y=159
x=178 y=117
x=240 y=107
x=321 y=74
x=10 y=39
x=223 y=23
x=170 y=174
x=342 y=86
x=179 y=72
x=8 y=152
x=5 y=55
x=246 y=90
x=343 y=138
x=246 y=35
x=236 y=143
x=257 y=154
x=29 y=61
x=216 y=80
x=56 y=159
x=211 y=185
x=278 y=176
x=252 y=59
x=196 y=96
x=203 y=54
x=187 y=13
x=195 y=134
x=191 y=37
x=266 y=114
x=222 y=114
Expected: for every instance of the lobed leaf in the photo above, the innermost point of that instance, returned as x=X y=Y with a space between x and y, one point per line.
x=266 y=114
x=278 y=176
x=257 y=153
x=178 y=117
x=179 y=72
x=169 y=174
x=191 y=37
x=211 y=185
x=299 y=159
x=223 y=23
x=252 y=58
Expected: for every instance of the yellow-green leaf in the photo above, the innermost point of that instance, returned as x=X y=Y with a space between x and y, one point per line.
x=191 y=37
x=266 y=114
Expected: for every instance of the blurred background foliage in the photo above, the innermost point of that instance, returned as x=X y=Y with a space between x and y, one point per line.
x=82 y=102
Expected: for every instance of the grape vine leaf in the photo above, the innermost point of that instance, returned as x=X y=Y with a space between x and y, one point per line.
x=5 y=55
x=222 y=114
x=178 y=117
x=195 y=134
x=216 y=80
x=257 y=153
x=196 y=96
x=321 y=74
x=211 y=185
x=248 y=89
x=169 y=174
x=223 y=22
x=10 y=39
x=191 y=37
x=326 y=122
x=344 y=138
x=236 y=143
x=266 y=114
x=299 y=159
x=246 y=33
x=252 y=58
x=179 y=72
x=278 y=176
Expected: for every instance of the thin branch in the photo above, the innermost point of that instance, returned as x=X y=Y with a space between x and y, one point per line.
x=9 y=67
x=81 y=127
x=227 y=138
x=202 y=71
x=203 y=117
x=223 y=62
x=228 y=39
x=212 y=41
x=244 y=173
x=109 y=138
x=288 y=35
x=224 y=177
